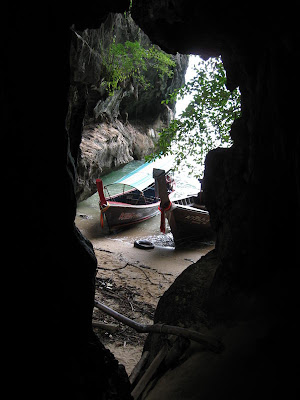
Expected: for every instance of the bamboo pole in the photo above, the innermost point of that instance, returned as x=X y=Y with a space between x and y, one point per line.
x=145 y=379
x=209 y=342
x=137 y=369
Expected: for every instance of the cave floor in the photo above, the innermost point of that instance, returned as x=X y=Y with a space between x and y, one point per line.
x=131 y=281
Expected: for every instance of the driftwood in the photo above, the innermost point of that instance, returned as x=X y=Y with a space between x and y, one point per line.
x=105 y=327
x=209 y=342
x=137 y=369
x=143 y=382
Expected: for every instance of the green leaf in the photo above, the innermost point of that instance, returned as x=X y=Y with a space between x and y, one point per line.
x=124 y=60
x=206 y=121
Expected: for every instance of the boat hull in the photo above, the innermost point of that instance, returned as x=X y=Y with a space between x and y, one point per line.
x=189 y=224
x=188 y=218
x=128 y=205
x=121 y=215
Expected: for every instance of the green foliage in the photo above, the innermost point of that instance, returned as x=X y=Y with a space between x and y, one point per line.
x=206 y=121
x=131 y=60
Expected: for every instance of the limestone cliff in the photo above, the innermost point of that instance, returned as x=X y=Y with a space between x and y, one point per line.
x=120 y=127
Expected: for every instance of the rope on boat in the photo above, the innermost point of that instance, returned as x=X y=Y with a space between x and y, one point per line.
x=102 y=211
x=162 y=216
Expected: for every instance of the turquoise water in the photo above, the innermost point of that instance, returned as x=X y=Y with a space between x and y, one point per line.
x=88 y=214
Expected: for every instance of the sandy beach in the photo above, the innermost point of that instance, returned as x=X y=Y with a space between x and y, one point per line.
x=131 y=280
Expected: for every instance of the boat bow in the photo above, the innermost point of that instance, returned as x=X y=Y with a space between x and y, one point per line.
x=165 y=203
x=103 y=204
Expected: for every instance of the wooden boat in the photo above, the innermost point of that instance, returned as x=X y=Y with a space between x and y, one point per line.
x=132 y=199
x=188 y=218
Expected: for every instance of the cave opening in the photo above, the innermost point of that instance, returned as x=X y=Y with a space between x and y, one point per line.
x=250 y=300
x=120 y=267
x=239 y=183
x=129 y=346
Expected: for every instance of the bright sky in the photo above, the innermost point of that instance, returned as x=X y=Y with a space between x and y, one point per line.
x=190 y=73
x=181 y=105
x=191 y=184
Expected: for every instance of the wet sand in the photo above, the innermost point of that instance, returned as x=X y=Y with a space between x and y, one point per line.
x=132 y=280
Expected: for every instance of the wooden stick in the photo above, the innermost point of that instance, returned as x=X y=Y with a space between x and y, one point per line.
x=106 y=327
x=142 y=383
x=137 y=369
x=209 y=342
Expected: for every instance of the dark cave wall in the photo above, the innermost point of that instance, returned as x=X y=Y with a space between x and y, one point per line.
x=246 y=186
x=251 y=189
x=52 y=267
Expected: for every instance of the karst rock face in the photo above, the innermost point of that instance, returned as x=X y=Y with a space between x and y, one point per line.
x=121 y=126
x=252 y=192
x=242 y=183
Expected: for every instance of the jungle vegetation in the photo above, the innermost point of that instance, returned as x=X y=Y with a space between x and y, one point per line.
x=206 y=121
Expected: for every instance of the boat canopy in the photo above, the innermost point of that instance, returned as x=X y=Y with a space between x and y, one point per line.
x=116 y=188
x=142 y=177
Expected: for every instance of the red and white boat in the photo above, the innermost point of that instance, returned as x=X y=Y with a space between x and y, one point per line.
x=134 y=198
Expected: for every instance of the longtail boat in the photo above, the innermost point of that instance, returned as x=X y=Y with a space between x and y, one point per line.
x=188 y=217
x=133 y=198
